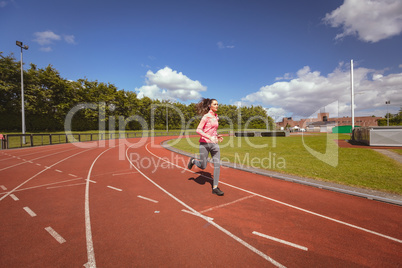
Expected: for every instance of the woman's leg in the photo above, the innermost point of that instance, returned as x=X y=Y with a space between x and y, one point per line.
x=202 y=163
x=216 y=158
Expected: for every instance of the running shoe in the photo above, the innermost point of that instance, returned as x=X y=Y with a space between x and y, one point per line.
x=217 y=191
x=190 y=163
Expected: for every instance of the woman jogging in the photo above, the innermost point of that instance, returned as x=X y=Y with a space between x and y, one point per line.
x=209 y=139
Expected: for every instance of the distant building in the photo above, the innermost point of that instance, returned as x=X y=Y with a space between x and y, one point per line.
x=325 y=123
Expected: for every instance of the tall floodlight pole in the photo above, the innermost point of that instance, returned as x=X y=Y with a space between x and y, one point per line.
x=387 y=103
x=19 y=43
x=167 y=120
x=352 y=103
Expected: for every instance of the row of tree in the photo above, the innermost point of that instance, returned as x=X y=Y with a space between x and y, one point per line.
x=391 y=119
x=52 y=103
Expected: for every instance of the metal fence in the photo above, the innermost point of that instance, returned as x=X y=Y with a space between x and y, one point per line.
x=12 y=141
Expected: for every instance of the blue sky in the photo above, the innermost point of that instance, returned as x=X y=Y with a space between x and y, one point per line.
x=290 y=56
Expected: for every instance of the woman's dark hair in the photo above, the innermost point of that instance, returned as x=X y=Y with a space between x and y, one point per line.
x=203 y=106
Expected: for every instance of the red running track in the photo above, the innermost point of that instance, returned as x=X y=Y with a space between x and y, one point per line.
x=137 y=205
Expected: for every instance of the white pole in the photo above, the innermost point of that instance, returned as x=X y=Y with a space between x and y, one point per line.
x=352 y=95
x=22 y=101
x=167 y=119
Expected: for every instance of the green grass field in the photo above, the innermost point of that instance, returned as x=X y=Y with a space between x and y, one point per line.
x=359 y=167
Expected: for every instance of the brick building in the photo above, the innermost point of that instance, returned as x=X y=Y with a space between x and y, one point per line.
x=364 y=121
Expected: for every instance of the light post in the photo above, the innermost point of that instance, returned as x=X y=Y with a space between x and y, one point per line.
x=352 y=101
x=387 y=103
x=167 y=119
x=19 y=43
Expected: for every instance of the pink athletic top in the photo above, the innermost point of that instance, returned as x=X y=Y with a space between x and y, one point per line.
x=208 y=126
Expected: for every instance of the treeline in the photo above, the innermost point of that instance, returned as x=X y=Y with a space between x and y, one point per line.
x=393 y=119
x=51 y=101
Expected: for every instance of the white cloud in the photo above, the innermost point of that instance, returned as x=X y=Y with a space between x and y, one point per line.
x=286 y=76
x=370 y=20
x=69 y=39
x=46 y=49
x=169 y=84
x=311 y=91
x=46 y=37
x=222 y=46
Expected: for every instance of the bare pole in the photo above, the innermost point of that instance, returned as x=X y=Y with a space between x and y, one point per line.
x=352 y=103
x=20 y=44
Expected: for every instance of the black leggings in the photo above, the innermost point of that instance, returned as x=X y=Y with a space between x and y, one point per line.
x=205 y=149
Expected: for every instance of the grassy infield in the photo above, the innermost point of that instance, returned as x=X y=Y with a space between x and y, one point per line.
x=356 y=166
x=359 y=167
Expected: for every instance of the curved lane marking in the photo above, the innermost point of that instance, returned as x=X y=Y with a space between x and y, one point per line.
x=196 y=213
x=40 y=172
x=289 y=205
x=88 y=232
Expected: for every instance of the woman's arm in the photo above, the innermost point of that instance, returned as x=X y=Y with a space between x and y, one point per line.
x=201 y=125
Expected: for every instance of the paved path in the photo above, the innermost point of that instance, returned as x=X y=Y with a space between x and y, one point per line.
x=390 y=154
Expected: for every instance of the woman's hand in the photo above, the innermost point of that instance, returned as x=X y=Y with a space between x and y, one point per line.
x=220 y=138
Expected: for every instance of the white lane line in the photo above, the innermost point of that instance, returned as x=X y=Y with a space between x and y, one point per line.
x=288 y=205
x=40 y=172
x=114 y=188
x=38 y=164
x=59 y=171
x=149 y=199
x=55 y=235
x=227 y=204
x=72 y=175
x=39 y=186
x=280 y=241
x=238 y=239
x=30 y=212
x=14 y=197
x=198 y=215
x=3 y=187
x=88 y=231
x=119 y=174
x=62 y=186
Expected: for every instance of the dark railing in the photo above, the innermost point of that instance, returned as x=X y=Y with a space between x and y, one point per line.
x=11 y=141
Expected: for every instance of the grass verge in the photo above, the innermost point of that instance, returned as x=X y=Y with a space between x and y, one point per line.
x=358 y=167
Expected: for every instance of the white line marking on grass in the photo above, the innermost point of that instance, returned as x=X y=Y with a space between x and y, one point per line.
x=3 y=187
x=242 y=242
x=55 y=235
x=280 y=241
x=227 y=204
x=30 y=212
x=14 y=197
x=114 y=188
x=288 y=205
x=149 y=199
